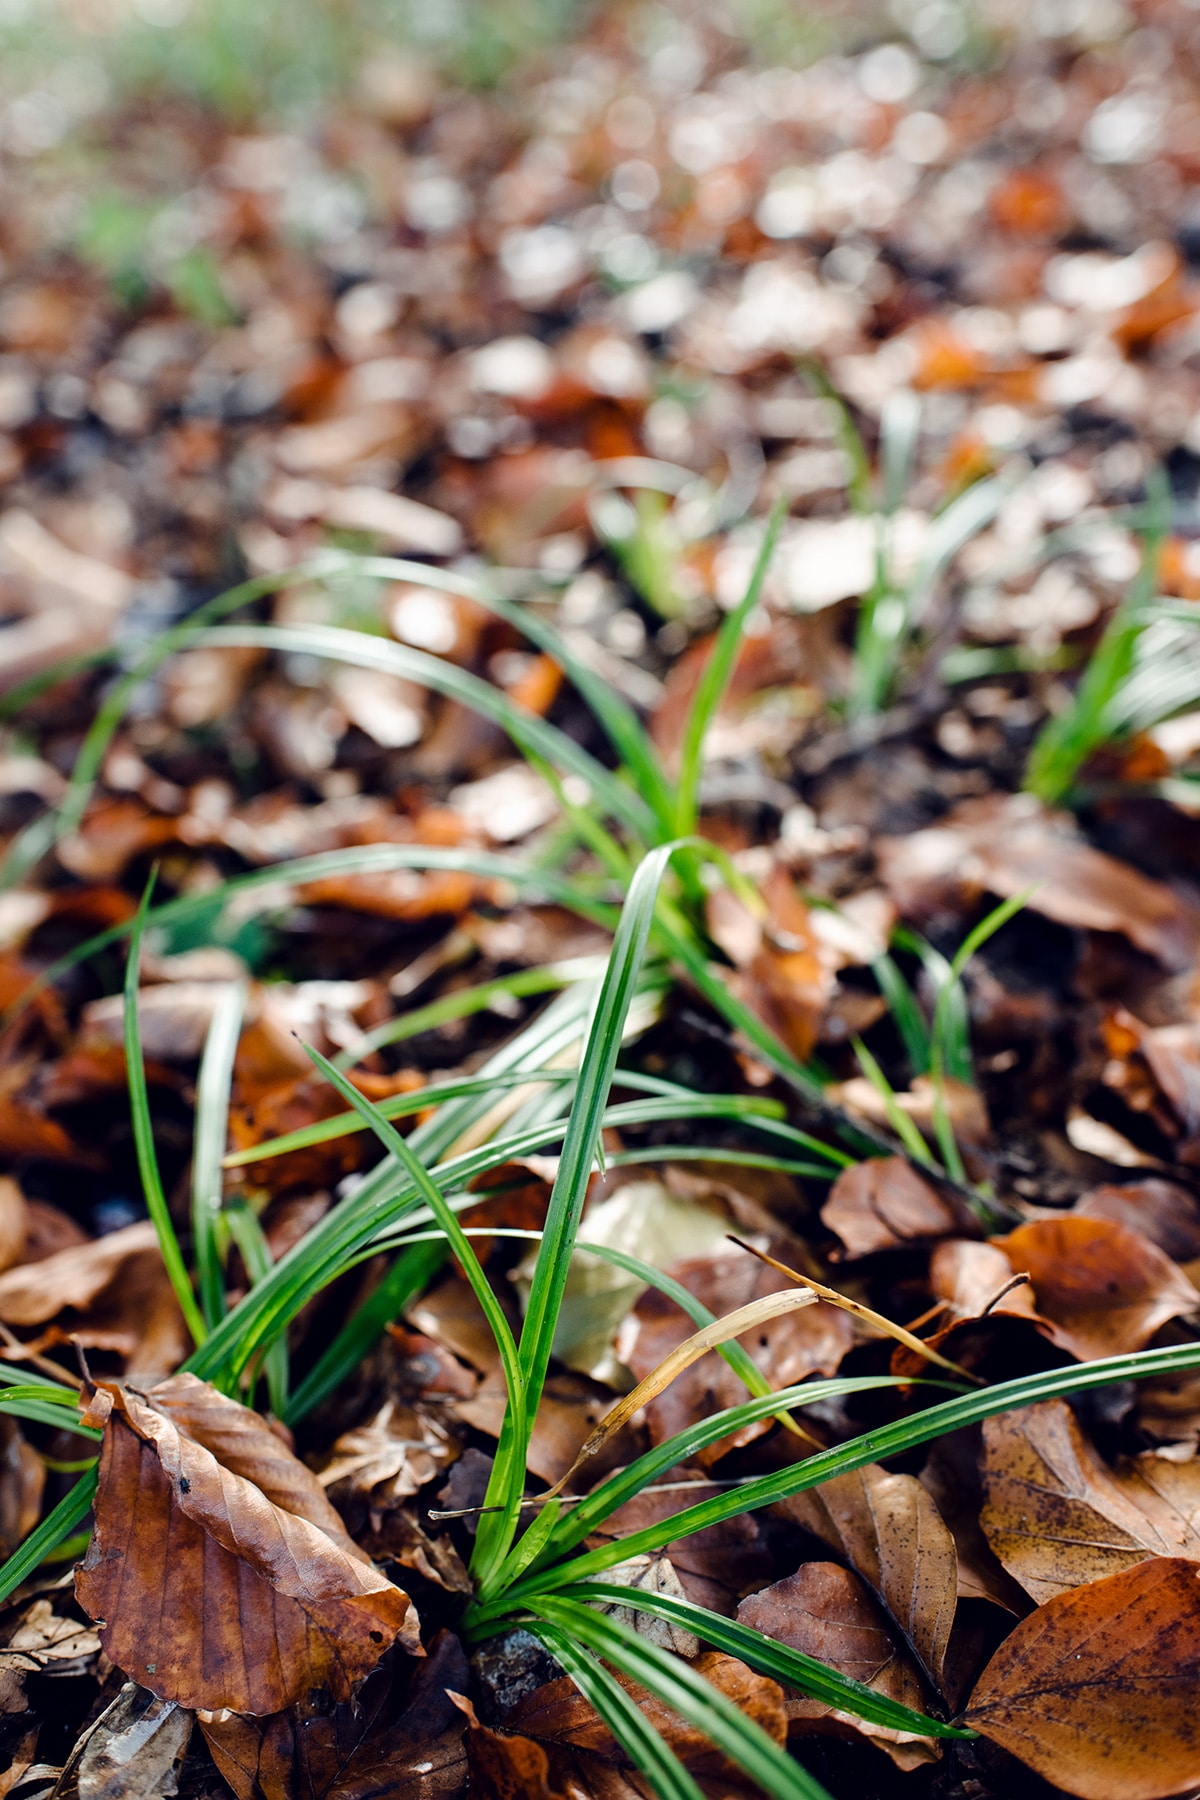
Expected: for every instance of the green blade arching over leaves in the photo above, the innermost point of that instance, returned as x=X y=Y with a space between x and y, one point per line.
x=791 y=1667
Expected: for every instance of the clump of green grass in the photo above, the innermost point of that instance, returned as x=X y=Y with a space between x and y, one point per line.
x=891 y=612
x=1145 y=669
x=627 y=857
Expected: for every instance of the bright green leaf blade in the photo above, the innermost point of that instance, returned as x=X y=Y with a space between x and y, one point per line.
x=792 y=1667
x=143 y=1134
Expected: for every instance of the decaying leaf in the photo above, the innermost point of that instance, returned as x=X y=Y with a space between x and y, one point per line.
x=1057 y=1517
x=1097 y=1689
x=883 y=1202
x=652 y=1575
x=130 y=1752
x=890 y=1531
x=397 y=1739
x=220 y=1571
x=828 y=1612
x=1105 y=1289
x=390 y=1457
x=42 y=1642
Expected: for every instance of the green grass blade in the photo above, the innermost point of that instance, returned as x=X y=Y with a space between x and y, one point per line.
x=44 y=1404
x=396 y=1106
x=143 y=1134
x=677 y=1685
x=515 y=1372
x=906 y=1011
x=872 y=1446
x=578 y=1154
x=898 y=1119
x=637 y=1737
x=715 y=678
x=354 y=859
x=213 y=1088
x=465 y=1002
x=791 y=1667
x=613 y=1493
x=334 y=644
x=247 y=1233
x=408 y=1276
x=54 y=1529
x=621 y=724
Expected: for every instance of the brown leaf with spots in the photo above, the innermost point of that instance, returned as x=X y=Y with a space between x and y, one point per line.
x=1097 y=1689
x=890 y=1531
x=222 y=1574
x=1057 y=1517
x=883 y=1202
x=1105 y=1289
x=829 y=1612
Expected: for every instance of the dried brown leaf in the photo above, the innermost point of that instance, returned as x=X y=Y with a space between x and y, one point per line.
x=883 y=1202
x=213 y=1592
x=1097 y=1689
x=888 y=1528
x=828 y=1612
x=1057 y=1517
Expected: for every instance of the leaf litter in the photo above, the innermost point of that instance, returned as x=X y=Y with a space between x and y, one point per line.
x=568 y=330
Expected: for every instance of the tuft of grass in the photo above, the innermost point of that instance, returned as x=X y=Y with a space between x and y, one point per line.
x=1145 y=669
x=891 y=612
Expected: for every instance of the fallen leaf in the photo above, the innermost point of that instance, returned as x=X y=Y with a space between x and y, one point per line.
x=397 y=1739
x=503 y=1765
x=1008 y=844
x=1097 y=1689
x=888 y=1528
x=883 y=1202
x=42 y=1642
x=828 y=1612
x=218 y=1566
x=786 y=970
x=130 y=1752
x=1057 y=1516
x=1105 y=1289
x=390 y=1457
x=1166 y=1213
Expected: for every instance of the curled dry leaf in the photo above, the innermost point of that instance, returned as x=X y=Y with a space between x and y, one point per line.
x=883 y=1202
x=889 y=1529
x=1103 y=1288
x=652 y=1575
x=221 y=1572
x=1057 y=1517
x=1097 y=1689
x=828 y=1612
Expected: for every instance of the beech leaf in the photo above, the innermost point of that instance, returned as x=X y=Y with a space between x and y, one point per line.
x=217 y=1566
x=1097 y=1689
x=1057 y=1517
x=889 y=1529
x=1105 y=1289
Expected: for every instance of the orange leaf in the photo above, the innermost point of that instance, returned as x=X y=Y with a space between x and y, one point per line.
x=1097 y=1690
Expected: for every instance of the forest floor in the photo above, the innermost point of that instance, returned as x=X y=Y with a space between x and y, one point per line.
x=930 y=303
